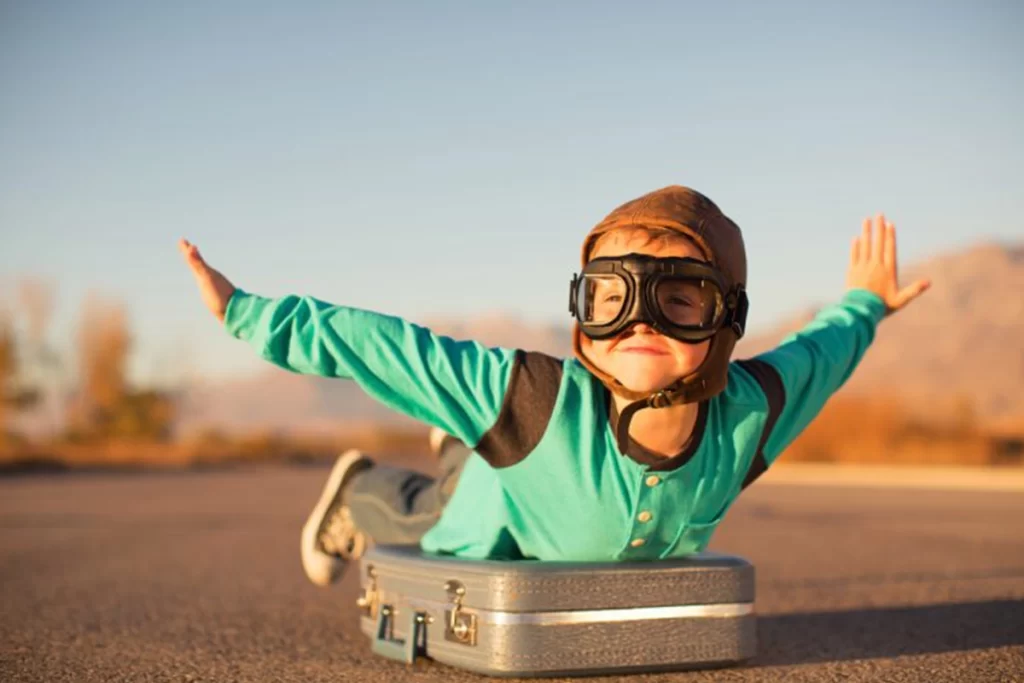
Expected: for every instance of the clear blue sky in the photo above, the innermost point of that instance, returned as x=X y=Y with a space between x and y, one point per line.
x=439 y=158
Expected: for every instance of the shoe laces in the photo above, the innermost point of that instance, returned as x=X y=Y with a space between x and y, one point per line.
x=340 y=535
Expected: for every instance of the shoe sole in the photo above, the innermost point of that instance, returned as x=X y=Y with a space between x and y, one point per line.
x=323 y=568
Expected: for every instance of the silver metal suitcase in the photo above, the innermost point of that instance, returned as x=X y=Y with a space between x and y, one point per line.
x=530 y=618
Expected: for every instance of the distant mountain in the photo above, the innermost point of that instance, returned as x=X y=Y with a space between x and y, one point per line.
x=961 y=343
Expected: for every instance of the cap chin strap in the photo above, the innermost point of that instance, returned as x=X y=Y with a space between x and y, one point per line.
x=674 y=394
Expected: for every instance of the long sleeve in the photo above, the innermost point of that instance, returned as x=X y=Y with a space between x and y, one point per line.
x=816 y=361
x=456 y=385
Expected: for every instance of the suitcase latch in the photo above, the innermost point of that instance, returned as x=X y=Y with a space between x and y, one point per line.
x=369 y=600
x=460 y=626
x=415 y=642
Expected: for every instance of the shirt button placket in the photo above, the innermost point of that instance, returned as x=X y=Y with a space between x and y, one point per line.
x=648 y=495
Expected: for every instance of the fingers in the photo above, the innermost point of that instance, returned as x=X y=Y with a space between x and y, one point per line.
x=187 y=249
x=855 y=251
x=889 y=251
x=877 y=238
x=191 y=254
x=865 y=240
x=877 y=242
x=909 y=293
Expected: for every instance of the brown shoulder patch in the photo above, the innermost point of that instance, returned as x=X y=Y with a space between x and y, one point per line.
x=771 y=384
x=525 y=411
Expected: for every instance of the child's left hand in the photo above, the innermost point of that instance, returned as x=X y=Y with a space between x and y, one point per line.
x=215 y=289
x=873 y=266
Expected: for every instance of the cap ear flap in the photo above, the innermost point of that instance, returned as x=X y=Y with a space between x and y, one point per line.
x=711 y=377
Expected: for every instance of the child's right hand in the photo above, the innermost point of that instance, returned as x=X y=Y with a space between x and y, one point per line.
x=215 y=289
x=874 y=267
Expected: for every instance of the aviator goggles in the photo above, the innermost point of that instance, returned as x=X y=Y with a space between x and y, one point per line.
x=682 y=298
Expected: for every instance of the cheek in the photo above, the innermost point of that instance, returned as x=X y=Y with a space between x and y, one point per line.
x=596 y=351
x=690 y=356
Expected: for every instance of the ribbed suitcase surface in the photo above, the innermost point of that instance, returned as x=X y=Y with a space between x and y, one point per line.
x=529 y=618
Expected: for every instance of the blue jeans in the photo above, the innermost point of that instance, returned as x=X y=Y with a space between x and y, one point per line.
x=394 y=505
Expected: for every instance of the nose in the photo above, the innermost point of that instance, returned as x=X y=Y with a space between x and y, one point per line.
x=641 y=327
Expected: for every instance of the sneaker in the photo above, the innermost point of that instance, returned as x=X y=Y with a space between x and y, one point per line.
x=330 y=539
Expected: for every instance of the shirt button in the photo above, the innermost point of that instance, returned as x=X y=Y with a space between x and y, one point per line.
x=644 y=516
x=653 y=481
x=637 y=542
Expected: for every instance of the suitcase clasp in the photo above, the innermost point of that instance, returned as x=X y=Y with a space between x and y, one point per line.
x=407 y=650
x=460 y=627
x=370 y=598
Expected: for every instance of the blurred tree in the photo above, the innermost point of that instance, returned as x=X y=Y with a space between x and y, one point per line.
x=106 y=407
x=39 y=364
x=36 y=298
x=103 y=346
x=14 y=395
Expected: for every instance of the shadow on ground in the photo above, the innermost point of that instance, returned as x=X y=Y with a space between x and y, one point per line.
x=888 y=632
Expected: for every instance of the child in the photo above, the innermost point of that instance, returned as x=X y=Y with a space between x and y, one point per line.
x=633 y=449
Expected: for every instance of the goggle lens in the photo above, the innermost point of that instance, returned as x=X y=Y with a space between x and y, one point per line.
x=688 y=303
x=601 y=298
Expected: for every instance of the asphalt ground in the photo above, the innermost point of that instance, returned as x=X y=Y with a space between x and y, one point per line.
x=196 y=577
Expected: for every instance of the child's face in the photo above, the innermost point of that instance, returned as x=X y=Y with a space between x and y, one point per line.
x=640 y=358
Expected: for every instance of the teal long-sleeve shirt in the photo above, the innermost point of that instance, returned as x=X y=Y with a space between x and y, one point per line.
x=546 y=479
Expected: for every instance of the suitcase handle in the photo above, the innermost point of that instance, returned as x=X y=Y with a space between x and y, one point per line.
x=401 y=650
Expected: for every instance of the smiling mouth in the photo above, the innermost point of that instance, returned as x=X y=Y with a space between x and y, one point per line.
x=645 y=350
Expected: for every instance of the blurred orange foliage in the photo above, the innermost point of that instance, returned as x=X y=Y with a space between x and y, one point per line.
x=882 y=430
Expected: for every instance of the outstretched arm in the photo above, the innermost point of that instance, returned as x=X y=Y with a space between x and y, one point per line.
x=816 y=361
x=455 y=385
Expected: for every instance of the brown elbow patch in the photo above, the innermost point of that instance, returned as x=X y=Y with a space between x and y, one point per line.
x=525 y=411
x=771 y=384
